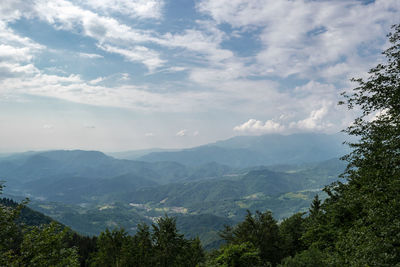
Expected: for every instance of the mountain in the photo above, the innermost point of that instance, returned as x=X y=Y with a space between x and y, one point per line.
x=27 y=215
x=260 y=181
x=204 y=187
x=135 y=154
x=245 y=151
x=74 y=176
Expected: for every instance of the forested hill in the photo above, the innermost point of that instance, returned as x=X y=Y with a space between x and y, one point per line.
x=27 y=215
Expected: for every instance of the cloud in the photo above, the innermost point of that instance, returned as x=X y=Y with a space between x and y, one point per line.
x=12 y=10
x=90 y=127
x=141 y=54
x=305 y=37
x=196 y=133
x=314 y=121
x=253 y=126
x=313 y=40
x=89 y=55
x=319 y=119
x=48 y=126
x=96 y=81
x=144 y=9
x=182 y=133
x=149 y=134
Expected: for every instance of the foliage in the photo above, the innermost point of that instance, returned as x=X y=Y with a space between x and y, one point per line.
x=163 y=246
x=10 y=232
x=308 y=258
x=261 y=231
x=48 y=246
x=170 y=247
x=44 y=245
x=291 y=231
x=237 y=255
x=110 y=247
x=359 y=223
x=26 y=216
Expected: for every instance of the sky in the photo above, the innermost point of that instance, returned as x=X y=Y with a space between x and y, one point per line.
x=121 y=75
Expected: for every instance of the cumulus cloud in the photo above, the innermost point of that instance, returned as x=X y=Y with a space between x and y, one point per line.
x=319 y=119
x=314 y=122
x=253 y=126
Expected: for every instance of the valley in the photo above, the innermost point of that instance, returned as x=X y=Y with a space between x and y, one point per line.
x=91 y=191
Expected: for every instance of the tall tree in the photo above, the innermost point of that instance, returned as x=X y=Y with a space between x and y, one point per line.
x=143 y=246
x=291 y=230
x=110 y=248
x=168 y=243
x=261 y=230
x=360 y=224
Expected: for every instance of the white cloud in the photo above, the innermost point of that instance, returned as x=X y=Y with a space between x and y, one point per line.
x=182 y=133
x=253 y=126
x=196 y=133
x=12 y=10
x=149 y=134
x=125 y=76
x=97 y=80
x=48 y=126
x=175 y=69
x=142 y=54
x=315 y=121
x=89 y=55
x=147 y=9
x=306 y=37
x=67 y=16
x=320 y=116
x=15 y=71
x=317 y=39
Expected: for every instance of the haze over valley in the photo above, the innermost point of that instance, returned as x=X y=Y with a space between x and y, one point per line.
x=211 y=185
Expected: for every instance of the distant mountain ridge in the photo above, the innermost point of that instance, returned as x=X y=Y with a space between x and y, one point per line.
x=60 y=173
x=246 y=151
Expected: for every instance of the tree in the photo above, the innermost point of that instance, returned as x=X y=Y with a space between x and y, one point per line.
x=291 y=231
x=110 y=247
x=168 y=243
x=315 y=207
x=237 y=255
x=47 y=246
x=360 y=220
x=308 y=258
x=143 y=246
x=171 y=248
x=260 y=230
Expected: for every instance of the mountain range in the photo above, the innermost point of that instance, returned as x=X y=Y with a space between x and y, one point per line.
x=215 y=183
x=246 y=151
